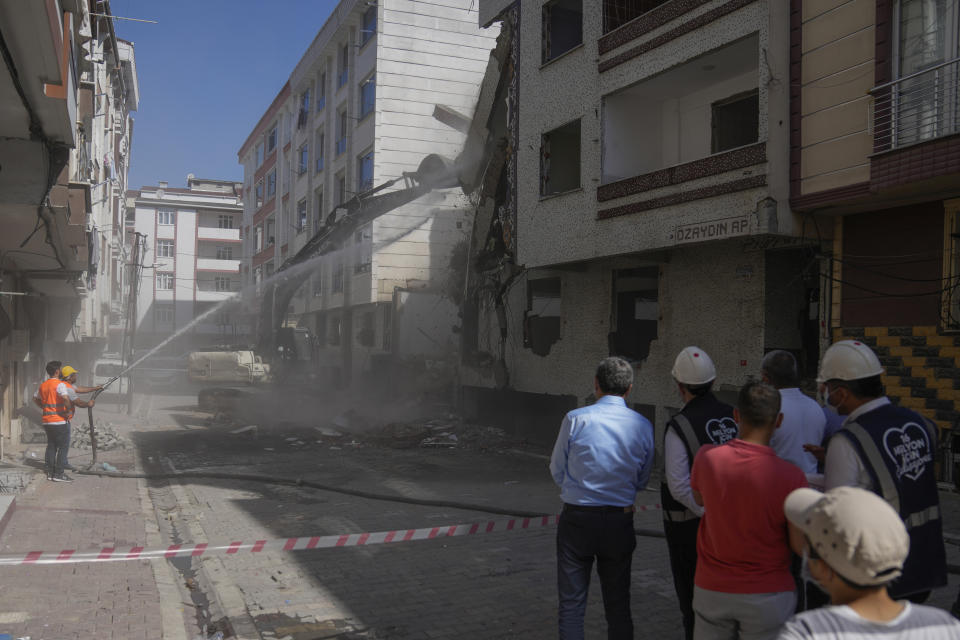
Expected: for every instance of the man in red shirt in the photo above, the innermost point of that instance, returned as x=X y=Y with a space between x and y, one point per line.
x=743 y=585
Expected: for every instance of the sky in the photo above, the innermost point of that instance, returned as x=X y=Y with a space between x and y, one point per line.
x=207 y=71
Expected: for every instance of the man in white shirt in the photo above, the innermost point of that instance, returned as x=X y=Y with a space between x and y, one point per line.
x=803 y=418
x=889 y=450
x=856 y=545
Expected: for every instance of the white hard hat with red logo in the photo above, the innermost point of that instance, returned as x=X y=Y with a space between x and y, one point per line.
x=849 y=360
x=693 y=366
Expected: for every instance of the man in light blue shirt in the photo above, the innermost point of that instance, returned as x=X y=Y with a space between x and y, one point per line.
x=602 y=458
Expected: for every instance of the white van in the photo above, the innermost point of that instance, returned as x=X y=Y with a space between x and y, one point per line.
x=106 y=368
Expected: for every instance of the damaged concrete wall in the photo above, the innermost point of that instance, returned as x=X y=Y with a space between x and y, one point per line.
x=709 y=295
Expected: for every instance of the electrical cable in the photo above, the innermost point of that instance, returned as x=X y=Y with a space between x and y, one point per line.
x=856 y=265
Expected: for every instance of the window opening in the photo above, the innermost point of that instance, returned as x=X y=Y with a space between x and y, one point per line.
x=303 y=159
x=560 y=160
x=369 y=25
x=301 y=215
x=562 y=27
x=365 y=172
x=735 y=121
x=636 y=312
x=541 y=322
x=368 y=96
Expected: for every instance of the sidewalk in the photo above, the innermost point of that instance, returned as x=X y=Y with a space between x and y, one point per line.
x=95 y=600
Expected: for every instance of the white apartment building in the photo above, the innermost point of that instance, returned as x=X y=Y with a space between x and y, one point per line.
x=355 y=112
x=651 y=208
x=190 y=249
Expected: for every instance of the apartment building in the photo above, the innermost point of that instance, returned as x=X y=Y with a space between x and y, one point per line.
x=876 y=129
x=68 y=92
x=646 y=206
x=190 y=252
x=358 y=111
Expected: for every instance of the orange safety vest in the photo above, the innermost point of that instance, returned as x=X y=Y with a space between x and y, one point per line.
x=54 y=407
x=63 y=403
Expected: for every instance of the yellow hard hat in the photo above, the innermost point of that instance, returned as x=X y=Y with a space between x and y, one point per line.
x=67 y=371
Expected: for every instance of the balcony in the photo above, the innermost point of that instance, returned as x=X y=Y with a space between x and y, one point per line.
x=218 y=234
x=918 y=107
x=693 y=111
x=212 y=264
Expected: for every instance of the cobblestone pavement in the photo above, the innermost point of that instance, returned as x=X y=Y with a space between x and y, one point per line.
x=489 y=586
x=103 y=600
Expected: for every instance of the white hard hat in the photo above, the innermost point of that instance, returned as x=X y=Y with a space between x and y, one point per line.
x=849 y=360
x=693 y=366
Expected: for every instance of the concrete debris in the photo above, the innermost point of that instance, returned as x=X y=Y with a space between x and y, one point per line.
x=246 y=429
x=448 y=440
x=328 y=431
x=447 y=432
x=107 y=437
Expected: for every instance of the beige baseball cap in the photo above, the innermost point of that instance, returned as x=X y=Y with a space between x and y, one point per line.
x=854 y=531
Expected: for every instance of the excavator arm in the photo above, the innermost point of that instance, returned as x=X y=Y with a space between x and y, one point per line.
x=433 y=173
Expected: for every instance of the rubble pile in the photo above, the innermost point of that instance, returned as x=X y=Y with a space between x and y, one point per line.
x=107 y=437
x=448 y=432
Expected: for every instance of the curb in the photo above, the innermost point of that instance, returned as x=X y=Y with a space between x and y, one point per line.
x=8 y=505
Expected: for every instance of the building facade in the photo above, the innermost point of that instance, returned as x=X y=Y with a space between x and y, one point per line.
x=68 y=92
x=875 y=89
x=358 y=111
x=189 y=255
x=646 y=207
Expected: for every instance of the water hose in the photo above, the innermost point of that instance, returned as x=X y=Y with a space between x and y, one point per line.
x=93 y=432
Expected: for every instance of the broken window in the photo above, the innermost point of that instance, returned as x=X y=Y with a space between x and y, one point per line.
x=560 y=159
x=562 y=27
x=541 y=323
x=735 y=121
x=636 y=312
x=617 y=13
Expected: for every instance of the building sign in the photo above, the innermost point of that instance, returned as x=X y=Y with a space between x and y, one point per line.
x=718 y=229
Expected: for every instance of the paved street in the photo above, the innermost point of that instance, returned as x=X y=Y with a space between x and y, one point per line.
x=498 y=585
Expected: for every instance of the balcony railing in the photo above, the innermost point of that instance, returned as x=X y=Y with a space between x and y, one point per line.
x=918 y=107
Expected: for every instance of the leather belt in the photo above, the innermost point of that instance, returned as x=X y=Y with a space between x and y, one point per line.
x=598 y=508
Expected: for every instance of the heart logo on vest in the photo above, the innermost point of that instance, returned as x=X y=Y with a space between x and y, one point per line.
x=720 y=430
x=909 y=449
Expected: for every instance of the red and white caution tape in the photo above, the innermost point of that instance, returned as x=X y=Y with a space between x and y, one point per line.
x=113 y=554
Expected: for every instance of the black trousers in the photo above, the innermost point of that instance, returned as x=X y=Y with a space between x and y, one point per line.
x=608 y=538
x=58 y=443
x=682 y=546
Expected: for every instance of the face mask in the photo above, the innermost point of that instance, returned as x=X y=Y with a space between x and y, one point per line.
x=805 y=574
x=824 y=399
